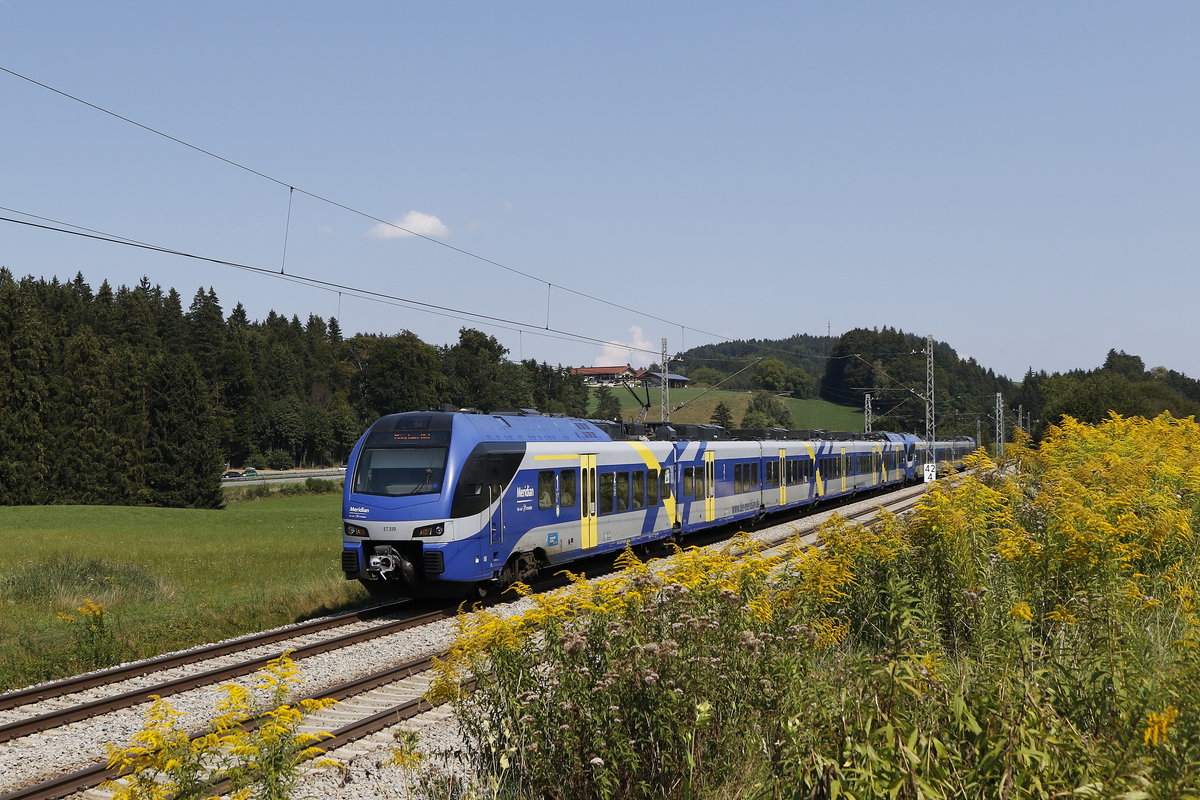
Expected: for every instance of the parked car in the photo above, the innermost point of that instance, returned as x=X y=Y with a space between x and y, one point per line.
x=233 y=473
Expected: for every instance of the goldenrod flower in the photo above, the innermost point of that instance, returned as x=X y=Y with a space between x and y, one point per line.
x=1157 y=725
x=1021 y=611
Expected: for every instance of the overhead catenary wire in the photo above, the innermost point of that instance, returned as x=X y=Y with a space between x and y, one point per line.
x=683 y=328
x=350 y=209
x=330 y=286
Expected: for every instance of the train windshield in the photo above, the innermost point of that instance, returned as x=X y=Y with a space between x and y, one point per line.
x=400 y=471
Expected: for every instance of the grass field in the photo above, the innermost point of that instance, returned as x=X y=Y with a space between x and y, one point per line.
x=817 y=414
x=167 y=578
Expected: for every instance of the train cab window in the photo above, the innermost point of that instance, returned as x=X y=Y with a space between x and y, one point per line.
x=567 y=488
x=608 y=481
x=546 y=489
x=639 y=489
x=622 y=491
x=652 y=488
x=400 y=471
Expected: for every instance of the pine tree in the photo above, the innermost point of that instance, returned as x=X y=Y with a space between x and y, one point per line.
x=183 y=461
x=722 y=415
x=24 y=360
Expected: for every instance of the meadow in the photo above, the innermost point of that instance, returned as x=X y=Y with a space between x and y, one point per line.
x=701 y=403
x=87 y=586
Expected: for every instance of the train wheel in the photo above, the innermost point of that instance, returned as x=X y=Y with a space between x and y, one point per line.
x=480 y=591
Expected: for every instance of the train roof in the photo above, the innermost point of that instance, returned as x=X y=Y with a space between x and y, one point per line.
x=517 y=426
x=527 y=425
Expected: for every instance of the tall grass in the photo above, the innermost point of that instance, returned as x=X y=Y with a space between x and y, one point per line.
x=167 y=578
x=1025 y=634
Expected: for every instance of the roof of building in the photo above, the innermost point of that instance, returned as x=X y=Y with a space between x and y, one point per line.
x=602 y=370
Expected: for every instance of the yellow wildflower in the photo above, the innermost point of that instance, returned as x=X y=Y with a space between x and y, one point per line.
x=1021 y=611
x=1157 y=725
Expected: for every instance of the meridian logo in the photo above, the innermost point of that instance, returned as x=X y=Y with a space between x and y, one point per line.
x=359 y=510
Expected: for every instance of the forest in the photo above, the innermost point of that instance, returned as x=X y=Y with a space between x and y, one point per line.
x=124 y=397
x=890 y=365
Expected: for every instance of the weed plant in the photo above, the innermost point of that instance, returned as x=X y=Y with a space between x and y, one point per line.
x=1029 y=632
x=165 y=762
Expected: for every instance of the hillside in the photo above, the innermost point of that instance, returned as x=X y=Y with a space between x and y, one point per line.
x=806 y=413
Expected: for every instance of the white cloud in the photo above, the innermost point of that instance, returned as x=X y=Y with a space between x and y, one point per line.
x=412 y=223
x=631 y=352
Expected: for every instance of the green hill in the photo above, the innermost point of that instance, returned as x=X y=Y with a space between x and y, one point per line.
x=805 y=413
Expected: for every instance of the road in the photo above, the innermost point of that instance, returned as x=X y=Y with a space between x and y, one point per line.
x=286 y=476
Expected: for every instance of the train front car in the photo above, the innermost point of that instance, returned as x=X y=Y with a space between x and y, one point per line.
x=425 y=498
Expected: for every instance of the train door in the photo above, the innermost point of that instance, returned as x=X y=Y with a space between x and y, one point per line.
x=495 y=488
x=587 y=507
x=781 y=476
x=710 y=485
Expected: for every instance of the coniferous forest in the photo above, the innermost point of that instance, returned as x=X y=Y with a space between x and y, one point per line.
x=127 y=397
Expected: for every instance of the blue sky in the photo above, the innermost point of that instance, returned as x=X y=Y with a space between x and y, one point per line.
x=1020 y=180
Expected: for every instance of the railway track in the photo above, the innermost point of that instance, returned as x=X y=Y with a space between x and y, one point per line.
x=382 y=697
x=380 y=700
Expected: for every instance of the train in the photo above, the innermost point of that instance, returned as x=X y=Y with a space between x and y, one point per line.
x=456 y=503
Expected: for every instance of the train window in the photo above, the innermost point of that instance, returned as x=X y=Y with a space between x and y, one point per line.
x=639 y=489
x=567 y=488
x=772 y=473
x=687 y=481
x=400 y=471
x=622 y=491
x=664 y=486
x=546 y=489
x=737 y=478
x=608 y=482
x=487 y=473
x=698 y=484
x=652 y=488
x=753 y=476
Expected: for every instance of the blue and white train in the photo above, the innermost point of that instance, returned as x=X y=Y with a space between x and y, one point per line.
x=453 y=503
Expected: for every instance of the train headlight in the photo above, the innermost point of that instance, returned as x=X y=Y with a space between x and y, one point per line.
x=430 y=530
x=354 y=530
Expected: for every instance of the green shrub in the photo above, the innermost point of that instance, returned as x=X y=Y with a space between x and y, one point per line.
x=279 y=459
